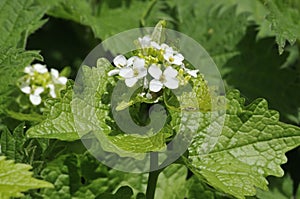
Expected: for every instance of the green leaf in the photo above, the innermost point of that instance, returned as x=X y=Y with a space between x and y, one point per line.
x=12 y=145
x=79 y=176
x=284 y=18
x=12 y=63
x=279 y=188
x=16 y=178
x=18 y=19
x=217 y=30
x=59 y=122
x=95 y=86
x=124 y=192
x=197 y=189
x=171 y=182
x=264 y=75
x=252 y=145
x=107 y=18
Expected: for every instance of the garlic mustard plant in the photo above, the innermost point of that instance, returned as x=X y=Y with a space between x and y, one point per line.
x=38 y=80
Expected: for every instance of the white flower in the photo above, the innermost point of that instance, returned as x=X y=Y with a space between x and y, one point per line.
x=155 y=45
x=173 y=58
x=193 y=73
x=167 y=49
x=134 y=73
x=145 y=41
x=35 y=97
x=56 y=78
x=52 y=90
x=120 y=61
x=166 y=78
x=40 y=68
x=25 y=86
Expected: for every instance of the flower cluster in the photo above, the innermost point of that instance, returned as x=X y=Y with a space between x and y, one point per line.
x=156 y=65
x=38 y=80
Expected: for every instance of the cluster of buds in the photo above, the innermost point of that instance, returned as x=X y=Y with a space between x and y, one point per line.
x=158 y=66
x=38 y=80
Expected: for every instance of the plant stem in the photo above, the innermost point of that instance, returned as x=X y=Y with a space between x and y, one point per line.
x=153 y=176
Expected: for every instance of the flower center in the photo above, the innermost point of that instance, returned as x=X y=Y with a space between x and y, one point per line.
x=171 y=59
x=162 y=79
x=135 y=72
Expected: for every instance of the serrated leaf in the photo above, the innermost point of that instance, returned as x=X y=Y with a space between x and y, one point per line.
x=12 y=144
x=252 y=145
x=59 y=122
x=16 y=178
x=18 y=19
x=264 y=75
x=284 y=18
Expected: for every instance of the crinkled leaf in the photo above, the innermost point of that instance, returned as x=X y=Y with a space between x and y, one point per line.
x=264 y=76
x=59 y=122
x=252 y=145
x=24 y=18
x=16 y=178
x=284 y=17
x=12 y=144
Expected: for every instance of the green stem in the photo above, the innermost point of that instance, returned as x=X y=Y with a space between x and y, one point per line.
x=153 y=176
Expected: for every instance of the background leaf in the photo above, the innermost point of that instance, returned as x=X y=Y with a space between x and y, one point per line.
x=16 y=178
x=252 y=145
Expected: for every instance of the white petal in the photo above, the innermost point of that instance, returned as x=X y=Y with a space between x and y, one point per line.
x=167 y=57
x=54 y=73
x=52 y=90
x=28 y=70
x=193 y=73
x=25 y=89
x=167 y=48
x=145 y=41
x=138 y=62
x=131 y=81
x=40 y=68
x=178 y=58
x=120 y=61
x=142 y=72
x=170 y=72
x=155 y=85
x=62 y=80
x=35 y=99
x=38 y=90
x=126 y=73
x=155 y=45
x=171 y=82
x=113 y=72
x=130 y=60
x=154 y=71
